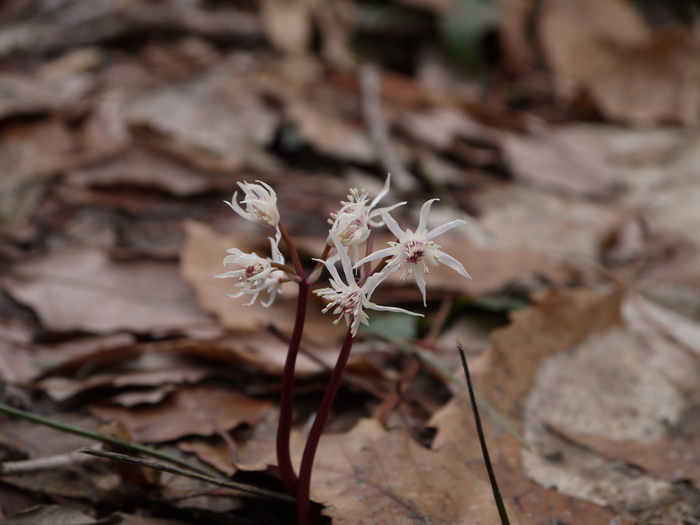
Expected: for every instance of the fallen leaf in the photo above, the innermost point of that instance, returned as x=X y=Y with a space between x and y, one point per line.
x=148 y=370
x=139 y=167
x=528 y=503
x=216 y=121
x=195 y=410
x=51 y=515
x=355 y=477
x=288 y=25
x=540 y=221
x=571 y=158
x=81 y=289
x=607 y=51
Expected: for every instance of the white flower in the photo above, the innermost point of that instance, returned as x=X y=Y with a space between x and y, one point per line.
x=349 y=300
x=414 y=251
x=261 y=204
x=257 y=274
x=351 y=224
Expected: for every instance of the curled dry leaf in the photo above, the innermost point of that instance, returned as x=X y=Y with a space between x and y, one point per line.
x=195 y=410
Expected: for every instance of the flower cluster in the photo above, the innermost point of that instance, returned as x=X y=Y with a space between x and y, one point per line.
x=349 y=297
x=412 y=253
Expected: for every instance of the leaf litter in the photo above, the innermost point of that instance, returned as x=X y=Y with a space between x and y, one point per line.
x=123 y=128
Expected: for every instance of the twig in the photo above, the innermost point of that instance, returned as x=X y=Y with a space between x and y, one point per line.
x=371 y=85
x=106 y=439
x=482 y=441
x=46 y=463
x=172 y=470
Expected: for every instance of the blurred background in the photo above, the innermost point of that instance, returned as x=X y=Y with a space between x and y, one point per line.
x=564 y=132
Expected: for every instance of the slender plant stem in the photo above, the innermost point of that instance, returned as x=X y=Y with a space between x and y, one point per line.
x=284 y=427
x=292 y=252
x=324 y=410
x=482 y=441
x=107 y=439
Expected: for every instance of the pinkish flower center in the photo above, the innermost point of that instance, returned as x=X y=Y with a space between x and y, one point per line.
x=252 y=270
x=414 y=250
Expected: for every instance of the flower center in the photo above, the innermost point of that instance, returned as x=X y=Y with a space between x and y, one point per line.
x=252 y=270
x=414 y=250
x=348 y=302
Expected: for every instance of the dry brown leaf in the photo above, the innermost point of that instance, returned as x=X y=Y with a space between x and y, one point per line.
x=571 y=158
x=141 y=167
x=195 y=410
x=30 y=153
x=217 y=454
x=556 y=323
x=216 y=121
x=633 y=74
x=288 y=25
x=540 y=221
x=529 y=503
x=373 y=476
x=440 y=126
x=51 y=515
x=615 y=393
x=81 y=289
x=21 y=96
x=149 y=370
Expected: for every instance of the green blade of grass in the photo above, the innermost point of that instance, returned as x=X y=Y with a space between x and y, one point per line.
x=6 y=409
x=165 y=468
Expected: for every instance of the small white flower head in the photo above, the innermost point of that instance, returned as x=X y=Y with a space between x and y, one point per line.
x=351 y=224
x=349 y=301
x=257 y=274
x=415 y=251
x=261 y=204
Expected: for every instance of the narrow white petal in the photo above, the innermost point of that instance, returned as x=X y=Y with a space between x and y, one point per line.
x=392 y=309
x=453 y=263
x=445 y=227
x=332 y=269
x=374 y=280
x=384 y=191
x=379 y=211
x=424 y=212
x=420 y=281
x=379 y=254
x=344 y=258
x=392 y=224
x=237 y=208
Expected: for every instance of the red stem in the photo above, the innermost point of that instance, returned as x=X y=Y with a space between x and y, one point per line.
x=284 y=427
x=307 y=460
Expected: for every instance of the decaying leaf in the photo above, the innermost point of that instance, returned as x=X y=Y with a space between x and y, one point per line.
x=572 y=159
x=217 y=121
x=606 y=51
x=371 y=475
x=81 y=289
x=196 y=410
